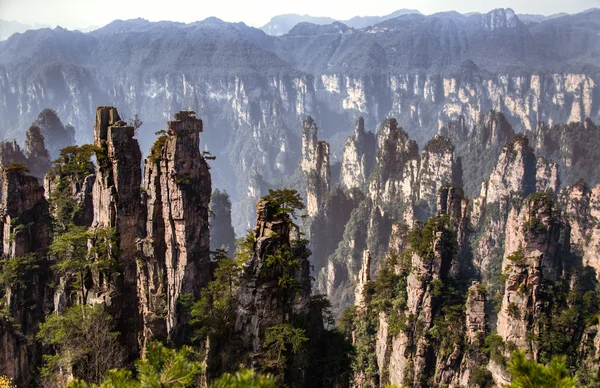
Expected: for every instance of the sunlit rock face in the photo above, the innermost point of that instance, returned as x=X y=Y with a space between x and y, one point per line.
x=176 y=243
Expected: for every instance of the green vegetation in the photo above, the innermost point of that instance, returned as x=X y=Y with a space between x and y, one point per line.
x=16 y=167
x=538 y=203
x=284 y=203
x=160 y=367
x=14 y=270
x=530 y=374
x=72 y=258
x=158 y=146
x=213 y=315
x=244 y=379
x=281 y=342
x=81 y=339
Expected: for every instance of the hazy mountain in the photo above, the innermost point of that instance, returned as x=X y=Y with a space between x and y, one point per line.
x=9 y=27
x=253 y=89
x=282 y=24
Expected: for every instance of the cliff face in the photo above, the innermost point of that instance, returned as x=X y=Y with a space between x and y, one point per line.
x=572 y=146
x=358 y=158
x=264 y=301
x=582 y=204
x=57 y=135
x=402 y=187
x=534 y=253
x=478 y=146
x=24 y=234
x=222 y=235
x=38 y=158
x=176 y=245
x=315 y=165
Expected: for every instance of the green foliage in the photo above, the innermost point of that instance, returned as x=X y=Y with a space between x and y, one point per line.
x=284 y=204
x=481 y=377
x=158 y=146
x=161 y=367
x=281 y=342
x=71 y=256
x=517 y=257
x=244 y=379
x=74 y=161
x=566 y=315
x=513 y=310
x=288 y=263
x=164 y=367
x=13 y=270
x=16 y=167
x=494 y=347
x=213 y=315
x=69 y=171
x=81 y=338
x=529 y=374
x=538 y=203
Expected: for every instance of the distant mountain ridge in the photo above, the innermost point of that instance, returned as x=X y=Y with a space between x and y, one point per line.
x=282 y=24
x=252 y=90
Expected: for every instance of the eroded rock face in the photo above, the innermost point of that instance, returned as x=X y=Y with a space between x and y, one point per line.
x=116 y=204
x=396 y=165
x=10 y=152
x=222 y=235
x=24 y=232
x=38 y=158
x=315 y=165
x=57 y=135
x=262 y=302
x=436 y=168
x=175 y=247
x=358 y=158
x=536 y=244
x=363 y=278
x=582 y=208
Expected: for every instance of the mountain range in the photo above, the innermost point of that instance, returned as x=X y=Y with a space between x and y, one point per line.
x=253 y=89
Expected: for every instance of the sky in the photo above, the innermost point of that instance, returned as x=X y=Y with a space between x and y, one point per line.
x=86 y=13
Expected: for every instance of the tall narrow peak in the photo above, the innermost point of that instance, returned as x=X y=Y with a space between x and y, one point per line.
x=38 y=157
x=222 y=235
x=176 y=247
x=436 y=169
x=358 y=157
x=316 y=167
x=264 y=300
x=57 y=135
x=24 y=235
x=116 y=203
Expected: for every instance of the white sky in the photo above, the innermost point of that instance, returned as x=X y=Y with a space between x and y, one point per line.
x=84 y=13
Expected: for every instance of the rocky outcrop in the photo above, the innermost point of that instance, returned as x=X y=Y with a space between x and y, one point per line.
x=582 y=211
x=436 y=169
x=263 y=300
x=396 y=166
x=222 y=235
x=57 y=135
x=315 y=165
x=38 y=158
x=24 y=235
x=536 y=243
x=364 y=277
x=116 y=204
x=175 y=247
x=358 y=158
x=572 y=146
x=10 y=152
x=477 y=146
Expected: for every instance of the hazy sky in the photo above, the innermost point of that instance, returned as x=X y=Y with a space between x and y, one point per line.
x=83 y=13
